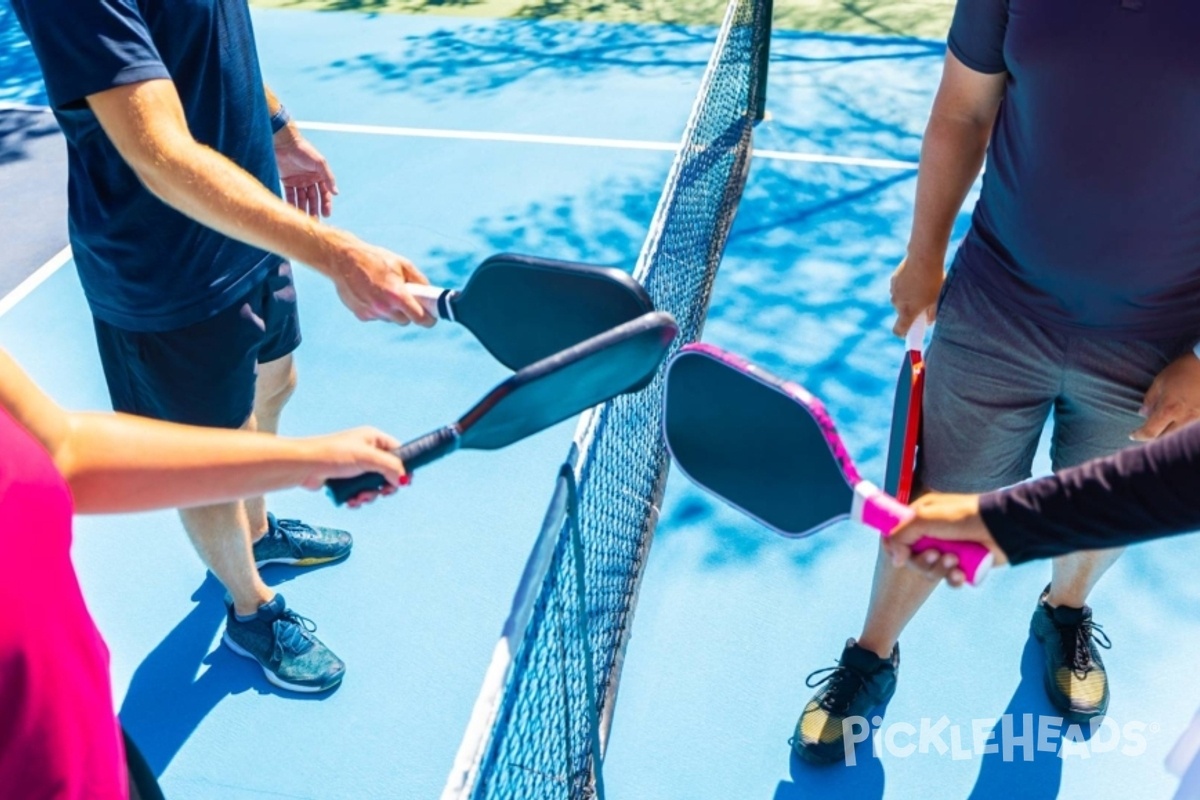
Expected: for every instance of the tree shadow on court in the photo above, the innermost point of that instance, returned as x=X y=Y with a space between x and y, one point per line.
x=185 y=677
x=470 y=59
x=20 y=76
x=902 y=18
x=19 y=129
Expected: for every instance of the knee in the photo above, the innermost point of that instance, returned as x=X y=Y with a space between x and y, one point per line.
x=274 y=393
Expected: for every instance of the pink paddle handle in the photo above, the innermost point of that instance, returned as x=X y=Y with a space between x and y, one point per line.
x=884 y=513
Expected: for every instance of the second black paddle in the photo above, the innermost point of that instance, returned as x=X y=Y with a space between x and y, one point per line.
x=545 y=393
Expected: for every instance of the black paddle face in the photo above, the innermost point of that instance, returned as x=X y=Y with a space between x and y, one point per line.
x=742 y=437
x=524 y=309
x=549 y=391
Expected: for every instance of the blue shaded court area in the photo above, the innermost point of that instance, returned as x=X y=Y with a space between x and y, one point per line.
x=730 y=618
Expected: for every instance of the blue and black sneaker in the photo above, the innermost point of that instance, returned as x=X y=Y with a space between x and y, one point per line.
x=860 y=683
x=290 y=541
x=282 y=642
x=1075 y=678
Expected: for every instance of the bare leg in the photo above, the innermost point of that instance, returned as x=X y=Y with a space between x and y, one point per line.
x=1076 y=574
x=276 y=384
x=896 y=595
x=221 y=533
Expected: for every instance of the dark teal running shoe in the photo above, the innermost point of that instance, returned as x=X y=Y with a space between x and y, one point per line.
x=860 y=683
x=290 y=541
x=282 y=643
x=1075 y=678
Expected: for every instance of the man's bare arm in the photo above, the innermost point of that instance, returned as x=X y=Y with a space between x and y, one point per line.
x=952 y=154
x=146 y=123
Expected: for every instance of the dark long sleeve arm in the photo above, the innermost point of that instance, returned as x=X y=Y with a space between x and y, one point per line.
x=1136 y=495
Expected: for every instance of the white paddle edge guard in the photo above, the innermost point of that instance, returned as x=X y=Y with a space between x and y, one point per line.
x=428 y=297
x=915 y=338
x=863 y=492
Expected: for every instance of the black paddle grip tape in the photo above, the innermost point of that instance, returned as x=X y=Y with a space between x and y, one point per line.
x=415 y=454
x=429 y=448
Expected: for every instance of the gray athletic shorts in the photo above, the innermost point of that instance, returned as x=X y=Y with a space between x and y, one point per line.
x=994 y=378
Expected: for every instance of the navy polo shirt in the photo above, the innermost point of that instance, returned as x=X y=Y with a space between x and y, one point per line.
x=143 y=265
x=1089 y=217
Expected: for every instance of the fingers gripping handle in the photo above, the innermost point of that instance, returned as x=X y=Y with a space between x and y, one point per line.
x=415 y=454
x=915 y=339
x=884 y=513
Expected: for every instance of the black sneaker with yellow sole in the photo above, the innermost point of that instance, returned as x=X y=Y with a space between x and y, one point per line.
x=1074 y=676
x=860 y=683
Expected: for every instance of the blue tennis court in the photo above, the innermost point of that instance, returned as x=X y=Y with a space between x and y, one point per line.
x=457 y=137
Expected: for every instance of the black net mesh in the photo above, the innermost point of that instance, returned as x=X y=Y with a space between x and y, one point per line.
x=545 y=741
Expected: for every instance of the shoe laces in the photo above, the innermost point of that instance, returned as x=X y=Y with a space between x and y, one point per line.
x=293 y=635
x=291 y=530
x=1078 y=645
x=842 y=684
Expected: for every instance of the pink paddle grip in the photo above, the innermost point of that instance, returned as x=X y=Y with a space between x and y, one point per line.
x=884 y=513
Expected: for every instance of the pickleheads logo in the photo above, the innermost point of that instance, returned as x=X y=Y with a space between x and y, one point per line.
x=1012 y=737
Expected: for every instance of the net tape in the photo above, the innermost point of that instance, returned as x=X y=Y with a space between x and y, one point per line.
x=541 y=721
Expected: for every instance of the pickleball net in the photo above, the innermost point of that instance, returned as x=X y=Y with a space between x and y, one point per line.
x=540 y=724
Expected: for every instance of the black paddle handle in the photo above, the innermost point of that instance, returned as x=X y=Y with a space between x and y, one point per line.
x=415 y=454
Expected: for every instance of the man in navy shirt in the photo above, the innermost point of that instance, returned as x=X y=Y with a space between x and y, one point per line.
x=1076 y=292
x=176 y=155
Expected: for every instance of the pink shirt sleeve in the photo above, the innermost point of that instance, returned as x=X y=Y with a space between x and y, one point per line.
x=59 y=736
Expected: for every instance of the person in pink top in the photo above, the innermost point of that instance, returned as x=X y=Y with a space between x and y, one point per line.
x=59 y=736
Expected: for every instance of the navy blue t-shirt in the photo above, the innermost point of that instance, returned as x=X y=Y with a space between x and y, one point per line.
x=1089 y=216
x=145 y=266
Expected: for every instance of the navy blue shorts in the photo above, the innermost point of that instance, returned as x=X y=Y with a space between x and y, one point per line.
x=203 y=374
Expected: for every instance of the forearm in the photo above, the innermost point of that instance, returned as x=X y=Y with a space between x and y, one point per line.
x=146 y=124
x=1139 y=494
x=952 y=155
x=119 y=463
x=212 y=190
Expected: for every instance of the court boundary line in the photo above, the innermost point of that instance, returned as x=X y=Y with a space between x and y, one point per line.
x=39 y=276
x=550 y=139
x=589 y=141
x=34 y=280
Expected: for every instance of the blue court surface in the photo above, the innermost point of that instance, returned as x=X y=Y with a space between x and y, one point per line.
x=730 y=618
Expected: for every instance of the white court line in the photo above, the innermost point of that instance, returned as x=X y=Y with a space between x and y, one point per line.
x=569 y=141
x=50 y=267
x=35 y=280
x=587 y=141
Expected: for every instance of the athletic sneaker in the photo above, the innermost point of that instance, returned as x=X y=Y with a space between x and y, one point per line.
x=1074 y=676
x=290 y=541
x=861 y=682
x=282 y=643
